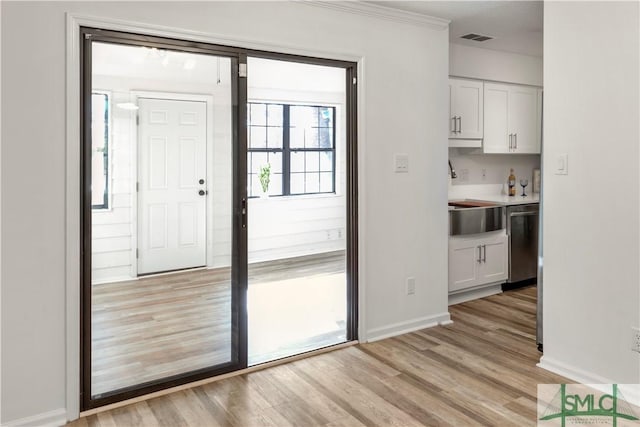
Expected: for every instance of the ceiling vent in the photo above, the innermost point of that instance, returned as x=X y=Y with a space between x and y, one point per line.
x=476 y=37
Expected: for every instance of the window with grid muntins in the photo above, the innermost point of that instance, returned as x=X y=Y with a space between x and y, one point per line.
x=99 y=150
x=298 y=142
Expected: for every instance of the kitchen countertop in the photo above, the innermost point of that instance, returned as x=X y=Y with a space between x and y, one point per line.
x=504 y=200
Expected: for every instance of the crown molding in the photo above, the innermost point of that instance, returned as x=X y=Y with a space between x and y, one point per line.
x=363 y=8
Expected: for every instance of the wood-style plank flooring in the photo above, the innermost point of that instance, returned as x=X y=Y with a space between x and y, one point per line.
x=480 y=370
x=159 y=326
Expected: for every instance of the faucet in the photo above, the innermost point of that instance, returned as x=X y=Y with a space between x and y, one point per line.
x=453 y=171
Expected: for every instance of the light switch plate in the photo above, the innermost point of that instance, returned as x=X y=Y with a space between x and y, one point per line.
x=401 y=162
x=562 y=164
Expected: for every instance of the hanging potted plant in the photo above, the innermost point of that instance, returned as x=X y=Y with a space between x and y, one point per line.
x=265 y=178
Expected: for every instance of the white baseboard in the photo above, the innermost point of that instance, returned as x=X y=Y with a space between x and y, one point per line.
x=464 y=296
x=55 y=418
x=631 y=392
x=408 y=326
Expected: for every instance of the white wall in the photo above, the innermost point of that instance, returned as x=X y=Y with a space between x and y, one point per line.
x=404 y=218
x=487 y=64
x=591 y=107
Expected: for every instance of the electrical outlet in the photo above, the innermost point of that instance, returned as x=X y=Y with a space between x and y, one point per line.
x=635 y=343
x=411 y=285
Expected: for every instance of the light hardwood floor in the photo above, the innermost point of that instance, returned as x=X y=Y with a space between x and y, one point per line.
x=164 y=325
x=480 y=370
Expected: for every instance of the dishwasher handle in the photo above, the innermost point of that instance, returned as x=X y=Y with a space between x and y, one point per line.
x=530 y=213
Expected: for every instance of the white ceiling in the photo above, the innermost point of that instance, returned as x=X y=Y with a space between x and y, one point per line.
x=516 y=25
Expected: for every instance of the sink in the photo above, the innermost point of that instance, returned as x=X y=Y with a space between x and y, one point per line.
x=471 y=217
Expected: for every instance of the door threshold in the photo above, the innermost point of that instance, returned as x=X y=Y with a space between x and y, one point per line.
x=194 y=384
x=171 y=272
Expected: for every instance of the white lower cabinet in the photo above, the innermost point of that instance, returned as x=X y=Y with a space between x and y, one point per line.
x=477 y=260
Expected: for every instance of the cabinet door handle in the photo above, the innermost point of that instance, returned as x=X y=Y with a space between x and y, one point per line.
x=454 y=124
x=515 y=141
x=479 y=254
x=510 y=140
x=484 y=257
x=459 y=124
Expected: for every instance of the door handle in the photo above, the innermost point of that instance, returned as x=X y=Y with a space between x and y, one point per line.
x=479 y=254
x=202 y=192
x=484 y=257
x=201 y=181
x=243 y=212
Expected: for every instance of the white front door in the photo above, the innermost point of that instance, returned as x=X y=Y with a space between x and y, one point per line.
x=172 y=185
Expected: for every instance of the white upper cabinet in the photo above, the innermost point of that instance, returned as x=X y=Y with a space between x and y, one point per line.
x=512 y=119
x=466 y=109
x=496 y=119
x=523 y=118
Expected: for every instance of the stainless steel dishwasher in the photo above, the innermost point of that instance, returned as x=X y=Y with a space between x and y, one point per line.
x=522 y=228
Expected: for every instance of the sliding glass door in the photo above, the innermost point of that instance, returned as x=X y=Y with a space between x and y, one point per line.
x=219 y=212
x=162 y=273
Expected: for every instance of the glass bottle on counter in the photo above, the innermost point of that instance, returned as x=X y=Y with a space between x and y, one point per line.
x=512 y=183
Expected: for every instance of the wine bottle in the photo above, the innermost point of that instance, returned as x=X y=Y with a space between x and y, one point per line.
x=512 y=183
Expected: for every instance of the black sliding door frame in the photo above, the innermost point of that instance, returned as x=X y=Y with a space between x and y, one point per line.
x=238 y=57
